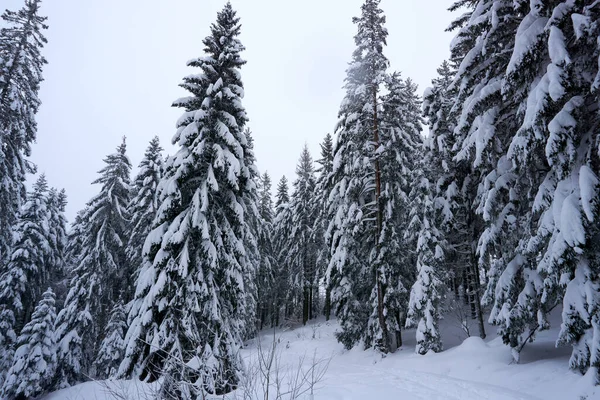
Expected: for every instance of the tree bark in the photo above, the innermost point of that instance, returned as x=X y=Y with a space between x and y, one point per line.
x=380 y=288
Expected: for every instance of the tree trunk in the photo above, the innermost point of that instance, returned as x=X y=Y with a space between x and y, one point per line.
x=327 y=308
x=380 y=294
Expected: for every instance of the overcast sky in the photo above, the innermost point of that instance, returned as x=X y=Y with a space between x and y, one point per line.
x=115 y=65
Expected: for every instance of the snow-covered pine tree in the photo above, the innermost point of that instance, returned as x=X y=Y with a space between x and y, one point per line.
x=431 y=216
x=485 y=120
x=98 y=278
x=75 y=238
x=356 y=233
x=265 y=277
x=322 y=189
x=282 y=228
x=400 y=149
x=142 y=209
x=35 y=358
x=427 y=292
x=112 y=348
x=21 y=62
x=27 y=270
x=301 y=250
x=439 y=169
x=282 y=196
x=57 y=227
x=552 y=174
x=8 y=339
x=188 y=315
x=252 y=218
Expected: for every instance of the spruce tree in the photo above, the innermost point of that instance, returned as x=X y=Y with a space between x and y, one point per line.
x=8 y=340
x=485 y=120
x=28 y=269
x=554 y=169
x=282 y=229
x=378 y=141
x=265 y=276
x=356 y=191
x=427 y=292
x=431 y=216
x=301 y=249
x=35 y=358
x=398 y=153
x=190 y=310
x=98 y=278
x=322 y=218
x=57 y=258
x=112 y=347
x=21 y=62
x=142 y=209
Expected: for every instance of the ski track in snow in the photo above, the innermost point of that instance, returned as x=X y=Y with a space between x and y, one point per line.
x=419 y=385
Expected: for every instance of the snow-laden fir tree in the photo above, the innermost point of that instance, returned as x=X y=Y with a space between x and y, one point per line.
x=57 y=228
x=427 y=292
x=485 y=119
x=353 y=233
x=252 y=219
x=142 y=210
x=439 y=168
x=301 y=249
x=322 y=217
x=190 y=308
x=21 y=62
x=112 y=347
x=550 y=171
x=98 y=278
x=8 y=339
x=28 y=270
x=431 y=217
x=282 y=228
x=34 y=361
x=398 y=152
x=265 y=276
x=377 y=139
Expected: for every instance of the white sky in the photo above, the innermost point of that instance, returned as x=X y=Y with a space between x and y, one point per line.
x=115 y=65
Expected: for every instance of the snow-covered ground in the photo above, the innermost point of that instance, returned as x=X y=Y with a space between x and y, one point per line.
x=475 y=369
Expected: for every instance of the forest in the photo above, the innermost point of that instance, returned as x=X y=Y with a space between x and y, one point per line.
x=478 y=195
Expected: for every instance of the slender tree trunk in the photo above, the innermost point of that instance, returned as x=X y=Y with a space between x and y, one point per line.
x=474 y=272
x=380 y=289
x=327 y=308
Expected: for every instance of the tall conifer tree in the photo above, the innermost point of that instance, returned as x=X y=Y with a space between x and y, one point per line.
x=190 y=307
x=21 y=62
x=98 y=278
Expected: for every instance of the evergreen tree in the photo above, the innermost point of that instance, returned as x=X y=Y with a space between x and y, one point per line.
x=98 y=278
x=485 y=118
x=431 y=216
x=21 y=62
x=28 y=269
x=354 y=230
x=265 y=276
x=301 y=249
x=190 y=311
x=8 y=340
x=322 y=189
x=112 y=348
x=57 y=259
x=427 y=293
x=549 y=182
x=378 y=140
x=35 y=358
x=282 y=230
x=142 y=209
x=399 y=150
